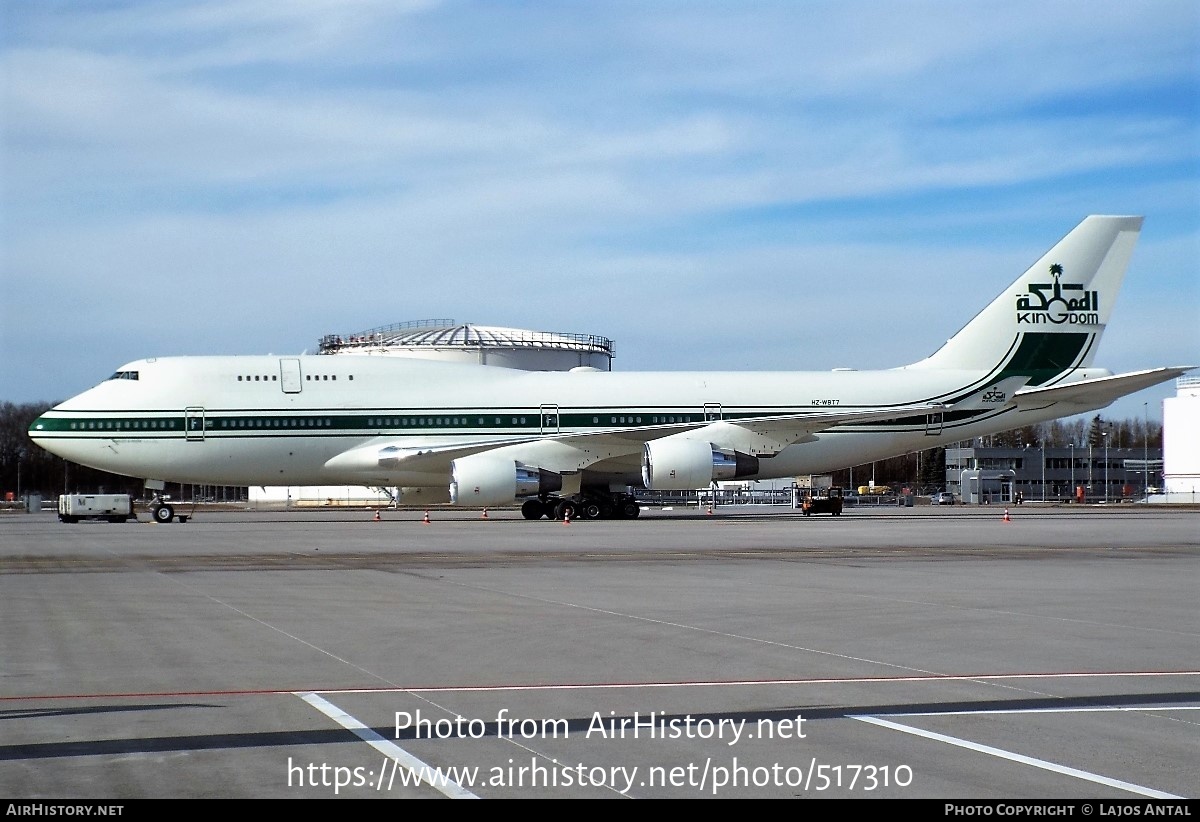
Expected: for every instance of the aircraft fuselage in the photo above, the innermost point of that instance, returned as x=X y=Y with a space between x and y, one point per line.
x=255 y=420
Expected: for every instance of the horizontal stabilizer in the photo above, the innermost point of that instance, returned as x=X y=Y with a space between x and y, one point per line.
x=1099 y=392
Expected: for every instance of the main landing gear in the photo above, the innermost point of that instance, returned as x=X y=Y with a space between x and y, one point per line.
x=588 y=505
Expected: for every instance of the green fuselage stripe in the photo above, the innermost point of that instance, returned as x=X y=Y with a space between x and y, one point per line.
x=443 y=421
x=377 y=423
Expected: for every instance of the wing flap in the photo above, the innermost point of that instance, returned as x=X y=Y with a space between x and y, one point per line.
x=767 y=436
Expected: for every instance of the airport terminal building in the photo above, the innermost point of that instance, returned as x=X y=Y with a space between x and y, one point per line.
x=1092 y=474
x=982 y=475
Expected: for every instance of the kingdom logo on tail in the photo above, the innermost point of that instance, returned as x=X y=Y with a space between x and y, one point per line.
x=579 y=444
x=1055 y=308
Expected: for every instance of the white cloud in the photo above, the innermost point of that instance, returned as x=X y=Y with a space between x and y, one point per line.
x=670 y=175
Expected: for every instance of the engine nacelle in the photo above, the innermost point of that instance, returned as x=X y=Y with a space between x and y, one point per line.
x=486 y=479
x=683 y=465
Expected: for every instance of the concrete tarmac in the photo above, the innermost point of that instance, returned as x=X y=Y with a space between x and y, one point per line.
x=939 y=653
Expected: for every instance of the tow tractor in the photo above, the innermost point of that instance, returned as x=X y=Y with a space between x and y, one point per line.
x=822 y=501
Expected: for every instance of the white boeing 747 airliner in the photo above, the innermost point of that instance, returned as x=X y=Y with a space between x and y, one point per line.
x=577 y=443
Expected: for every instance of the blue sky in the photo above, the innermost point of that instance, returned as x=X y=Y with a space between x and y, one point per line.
x=750 y=185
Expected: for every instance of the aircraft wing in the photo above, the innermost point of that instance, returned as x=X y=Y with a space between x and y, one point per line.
x=762 y=436
x=767 y=436
x=1098 y=392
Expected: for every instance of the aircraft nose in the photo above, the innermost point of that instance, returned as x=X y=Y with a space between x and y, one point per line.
x=37 y=427
x=40 y=433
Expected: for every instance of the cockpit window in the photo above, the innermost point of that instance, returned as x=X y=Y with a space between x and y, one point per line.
x=124 y=375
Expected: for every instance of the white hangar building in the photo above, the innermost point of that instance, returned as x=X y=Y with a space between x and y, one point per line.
x=1181 y=442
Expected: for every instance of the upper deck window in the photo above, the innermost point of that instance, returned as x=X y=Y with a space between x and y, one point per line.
x=124 y=375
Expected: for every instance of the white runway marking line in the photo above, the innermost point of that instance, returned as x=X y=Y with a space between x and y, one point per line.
x=389 y=749
x=1026 y=615
x=682 y=626
x=1112 y=709
x=717 y=683
x=416 y=690
x=196 y=591
x=1024 y=760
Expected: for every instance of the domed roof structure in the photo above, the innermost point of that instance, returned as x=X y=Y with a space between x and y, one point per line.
x=444 y=339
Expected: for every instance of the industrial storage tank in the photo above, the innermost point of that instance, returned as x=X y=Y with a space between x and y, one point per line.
x=448 y=341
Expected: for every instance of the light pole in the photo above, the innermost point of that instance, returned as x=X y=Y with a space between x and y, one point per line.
x=1105 y=435
x=1043 y=470
x=1091 y=472
x=1072 y=494
x=1146 y=451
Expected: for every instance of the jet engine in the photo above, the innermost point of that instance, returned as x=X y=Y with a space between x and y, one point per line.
x=486 y=479
x=683 y=464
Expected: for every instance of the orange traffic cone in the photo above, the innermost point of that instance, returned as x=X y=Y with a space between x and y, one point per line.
x=376 y=518
x=566 y=517
x=1007 y=518
x=485 y=516
x=426 y=518
x=710 y=508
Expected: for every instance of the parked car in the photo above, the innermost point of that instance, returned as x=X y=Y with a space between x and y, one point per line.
x=943 y=498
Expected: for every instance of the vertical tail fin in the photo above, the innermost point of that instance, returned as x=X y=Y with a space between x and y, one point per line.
x=1049 y=321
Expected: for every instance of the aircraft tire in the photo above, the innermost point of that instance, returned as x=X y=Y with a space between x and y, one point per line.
x=590 y=510
x=565 y=509
x=163 y=513
x=630 y=509
x=533 y=509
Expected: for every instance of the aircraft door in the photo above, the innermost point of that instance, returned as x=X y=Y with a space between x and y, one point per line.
x=549 y=420
x=933 y=424
x=289 y=375
x=193 y=424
